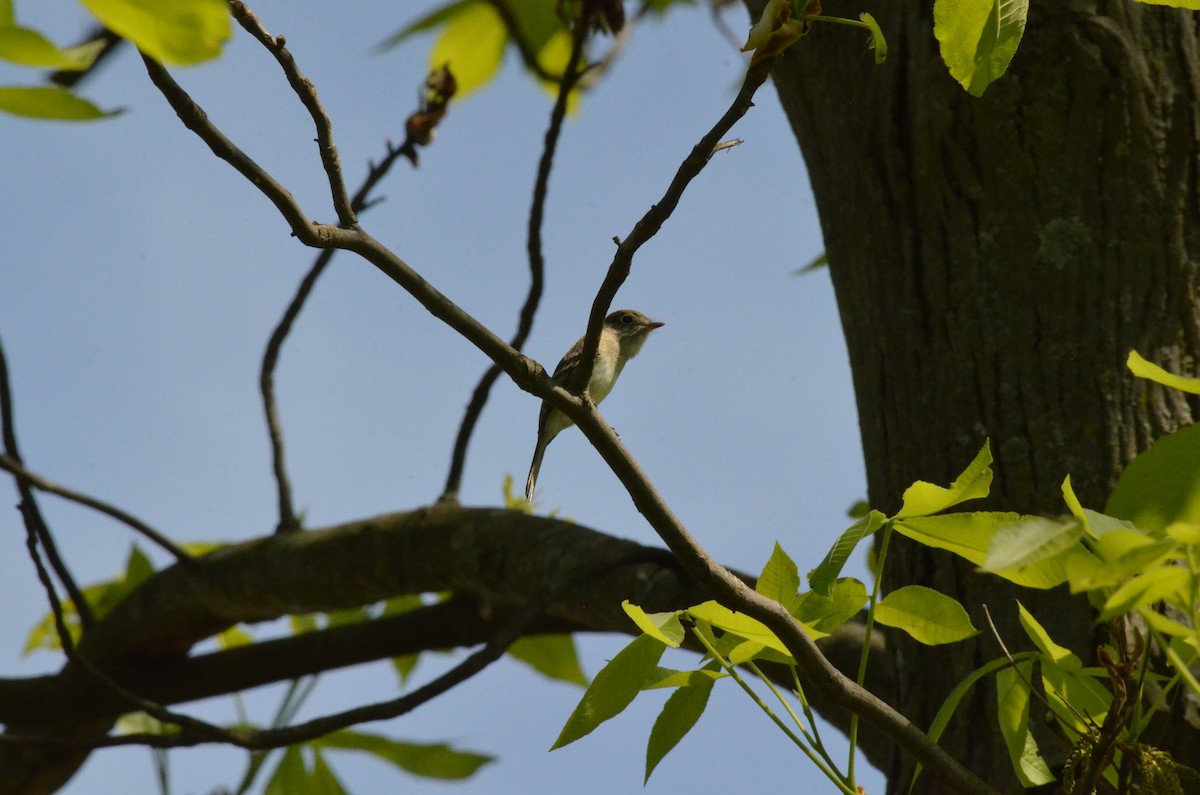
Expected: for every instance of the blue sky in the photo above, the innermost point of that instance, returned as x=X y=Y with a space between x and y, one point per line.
x=142 y=276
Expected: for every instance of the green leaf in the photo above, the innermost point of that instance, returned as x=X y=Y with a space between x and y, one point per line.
x=739 y=624
x=821 y=578
x=48 y=102
x=322 y=781
x=614 y=687
x=923 y=499
x=978 y=38
x=946 y=711
x=930 y=617
x=1094 y=523
x=969 y=535
x=1162 y=485
x=1191 y=5
x=290 y=776
x=406 y=664
x=472 y=45
x=1081 y=689
x=430 y=760
x=553 y=656
x=1012 y=697
x=428 y=22
x=1030 y=542
x=827 y=613
x=1037 y=633
x=668 y=677
x=173 y=32
x=780 y=579
x=878 y=42
x=678 y=716
x=816 y=263
x=1165 y=582
x=234 y=636
x=1144 y=369
x=1125 y=553
x=664 y=627
x=27 y=47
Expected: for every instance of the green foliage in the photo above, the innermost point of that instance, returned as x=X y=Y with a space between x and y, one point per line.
x=173 y=32
x=613 y=689
x=553 y=656
x=821 y=578
x=473 y=37
x=28 y=47
x=428 y=760
x=1162 y=485
x=1192 y=5
x=924 y=499
x=978 y=38
x=1012 y=700
x=50 y=103
x=101 y=597
x=780 y=578
x=678 y=716
x=177 y=32
x=877 y=44
x=929 y=617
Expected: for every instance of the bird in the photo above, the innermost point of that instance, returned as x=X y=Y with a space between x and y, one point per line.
x=621 y=338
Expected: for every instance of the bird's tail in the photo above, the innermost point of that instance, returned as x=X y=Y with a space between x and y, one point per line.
x=531 y=481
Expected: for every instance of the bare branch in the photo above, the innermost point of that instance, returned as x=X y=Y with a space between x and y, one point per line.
x=31 y=514
x=438 y=90
x=304 y=89
x=9 y=464
x=659 y=212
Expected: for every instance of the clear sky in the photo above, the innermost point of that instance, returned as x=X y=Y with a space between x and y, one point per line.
x=141 y=277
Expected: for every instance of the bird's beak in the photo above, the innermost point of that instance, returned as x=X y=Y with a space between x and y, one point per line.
x=653 y=324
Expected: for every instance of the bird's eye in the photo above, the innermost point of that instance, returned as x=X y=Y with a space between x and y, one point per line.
x=626 y=319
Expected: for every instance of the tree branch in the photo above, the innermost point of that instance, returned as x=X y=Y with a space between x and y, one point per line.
x=531 y=376
x=303 y=87
x=24 y=476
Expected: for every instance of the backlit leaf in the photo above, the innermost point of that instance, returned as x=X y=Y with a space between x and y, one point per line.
x=173 y=32
x=927 y=615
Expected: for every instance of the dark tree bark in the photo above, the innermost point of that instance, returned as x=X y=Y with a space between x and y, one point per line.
x=995 y=259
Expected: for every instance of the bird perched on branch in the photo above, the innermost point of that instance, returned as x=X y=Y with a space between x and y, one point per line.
x=623 y=334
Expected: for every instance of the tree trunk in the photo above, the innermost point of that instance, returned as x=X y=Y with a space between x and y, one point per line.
x=995 y=260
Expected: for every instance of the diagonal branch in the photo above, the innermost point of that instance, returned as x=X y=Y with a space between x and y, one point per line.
x=303 y=87
x=661 y=210
x=24 y=476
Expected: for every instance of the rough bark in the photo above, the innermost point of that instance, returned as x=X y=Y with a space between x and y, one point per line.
x=995 y=260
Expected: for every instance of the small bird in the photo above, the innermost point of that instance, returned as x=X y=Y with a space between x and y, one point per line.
x=623 y=334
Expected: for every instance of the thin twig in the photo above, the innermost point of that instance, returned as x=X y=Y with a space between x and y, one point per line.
x=536 y=264
x=1084 y=719
x=304 y=89
x=9 y=464
x=430 y=113
x=262 y=739
x=659 y=212
x=31 y=514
